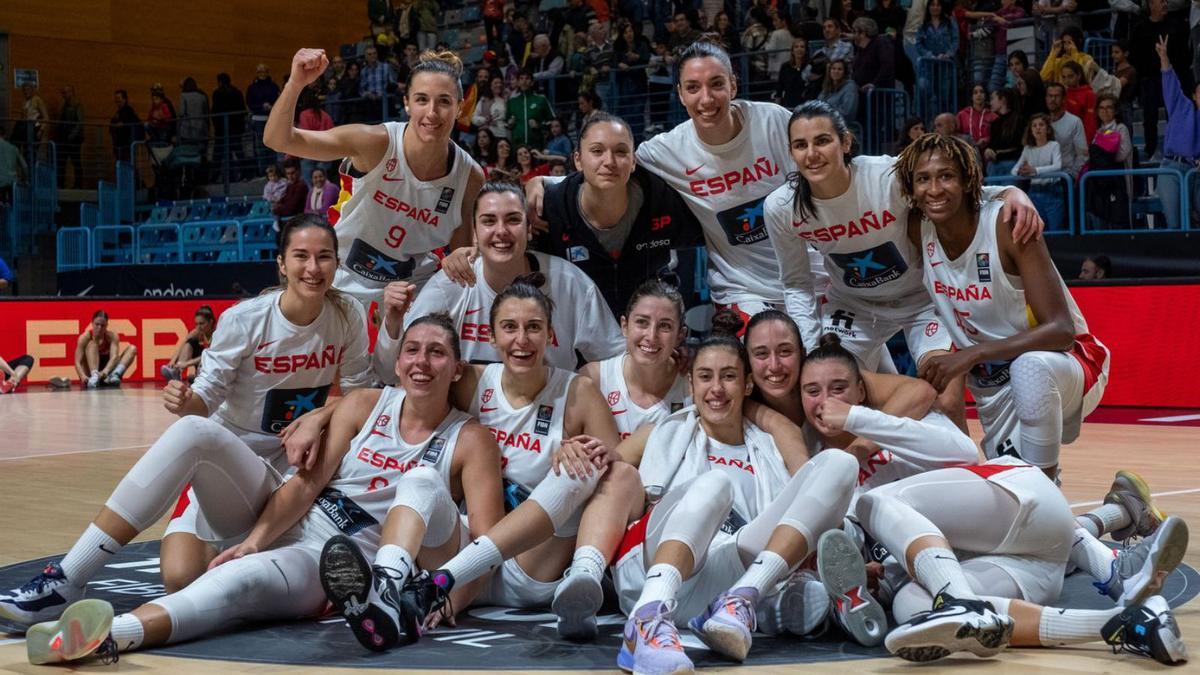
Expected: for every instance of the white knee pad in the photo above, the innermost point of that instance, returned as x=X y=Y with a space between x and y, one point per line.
x=822 y=500
x=223 y=597
x=696 y=518
x=1037 y=399
x=892 y=522
x=561 y=497
x=423 y=490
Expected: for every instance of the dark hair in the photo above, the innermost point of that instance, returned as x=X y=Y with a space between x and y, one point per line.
x=189 y=84
x=303 y=222
x=493 y=187
x=1116 y=103
x=443 y=63
x=830 y=348
x=1028 y=138
x=1102 y=262
x=601 y=116
x=224 y=80
x=524 y=287
x=1076 y=68
x=206 y=312
x=708 y=46
x=909 y=124
x=657 y=288
x=727 y=322
x=593 y=100
x=485 y=156
x=1060 y=85
x=1123 y=44
x=525 y=72
x=124 y=94
x=441 y=320
x=942 y=4
x=99 y=314
x=957 y=151
x=774 y=315
x=802 y=201
x=1075 y=34
x=1021 y=56
x=719 y=339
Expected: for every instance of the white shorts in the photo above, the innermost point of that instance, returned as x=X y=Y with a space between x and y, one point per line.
x=1040 y=579
x=865 y=327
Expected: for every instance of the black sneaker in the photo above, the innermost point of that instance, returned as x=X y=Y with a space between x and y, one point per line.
x=1148 y=629
x=421 y=596
x=952 y=625
x=366 y=596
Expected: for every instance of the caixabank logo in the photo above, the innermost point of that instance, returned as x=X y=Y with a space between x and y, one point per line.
x=485 y=638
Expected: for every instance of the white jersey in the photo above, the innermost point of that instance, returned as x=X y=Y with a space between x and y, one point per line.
x=724 y=185
x=979 y=302
x=357 y=499
x=628 y=414
x=262 y=371
x=582 y=320
x=527 y=436
x=390 y=225
x=734 y=462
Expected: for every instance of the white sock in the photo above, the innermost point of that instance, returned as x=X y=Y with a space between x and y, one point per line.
x=395 y=558
x=477 y=559
x=590 y=561
x=119 y=370
x=127 y=632
x=1093 y=525
x=766 y=571
x=1073 y=626
x=938 y=570
x=91 y=551
x=662 y=584
x=1113 y=516
x=1091 y=556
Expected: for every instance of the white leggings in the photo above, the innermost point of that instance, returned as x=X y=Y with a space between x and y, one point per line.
x=230 y=481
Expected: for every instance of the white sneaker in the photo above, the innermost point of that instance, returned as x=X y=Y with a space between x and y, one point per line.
x=952 y=626
x=43 y=598
x=576 y=601
x=800 y=607
x=1138 y=572
x=82 y=631
x=93 y=381
x=844 y=574
x=112 y=379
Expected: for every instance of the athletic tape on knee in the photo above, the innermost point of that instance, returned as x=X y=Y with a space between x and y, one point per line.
x=424 y=492
x=1037 y=400
x=699 y=514
x=561 y=496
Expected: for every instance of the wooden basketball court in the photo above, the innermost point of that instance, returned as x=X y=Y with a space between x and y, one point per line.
x=61 y=453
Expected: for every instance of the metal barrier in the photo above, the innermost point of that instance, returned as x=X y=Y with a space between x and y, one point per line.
x=1100 y=49
x=74 y=249
x=126 y=192
x=1138 y=205
x=113 y=245
x=886 y=112
x=89 y=214
x=110 y=212
x=937 y=88
x=1042 y=196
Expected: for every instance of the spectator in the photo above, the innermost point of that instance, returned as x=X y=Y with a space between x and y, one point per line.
x=684 y=33
x=600 y=58
x=493 y=23
x=160 y=121
x=275 y=186
x=505 y=167
x=1144 y=57
x=759 y=12
x=913 y=129
x=472 y=95
x=946 y=124
x=660 y=84
x=754 y=41
x=1111 y=148
x=520 y=40
x=1128 y=77
x=976 y=119
x=844 y=14
x=1042 y=154
x=337 y=68
x=588 y=103
x=379 y=11
x=13 y=168
x=839 y=90
x=728 y=33
x=938 y=37
x=491 y=112
x=189 y=350
x=69 y=138
x=527 y=112
x=31 y=130
x=1008 y=130
x=1032 y=93
x=1181 y=147
x=351 y=104
x=291 y=203
x=977 y=26
x=559 y=147
x=1080 y=99
x=792 y=88
x=875 y=57
x=890 y=17
x=124 y=126
x=229 y=124
x=484 y=148
x=779 y=44
x=322 y=195
x=14 y=371
x=193 y=115
x=1053 y=18
x=312 y=118
x=527 y=165
x=545 y=64
x=579 y=16
x=99 y=358
x=375 y=81
x=1095 y=267
x=1009 y=12
x=427 y=25
x=1066 y=48
x=835 y=47
x=631 y=53
x=1068 y=130
x=260 y=96
x=1018 y=63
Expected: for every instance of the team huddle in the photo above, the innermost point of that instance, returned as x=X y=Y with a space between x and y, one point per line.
x=777 y=478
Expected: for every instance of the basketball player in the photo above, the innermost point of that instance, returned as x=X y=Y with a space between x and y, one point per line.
x=273 y=359
x=407 y=190
x=643 y=385
x=192 y=346
x=273 y=573
x=556 y=435
x=14 y=372
x=501 y=236
x=99 y=355
x=1034 y=369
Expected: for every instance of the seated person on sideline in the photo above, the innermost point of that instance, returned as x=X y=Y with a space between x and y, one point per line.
x=100 y=358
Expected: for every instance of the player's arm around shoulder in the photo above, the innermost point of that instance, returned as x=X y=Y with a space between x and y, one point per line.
x=786 y=434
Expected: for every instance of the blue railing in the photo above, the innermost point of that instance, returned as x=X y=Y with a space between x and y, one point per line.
x=938 y=89
x=74 y=250
x=113 y=245
x=886 y=112
x=1141 y=205
x=1100 y=49
x=1047 y=197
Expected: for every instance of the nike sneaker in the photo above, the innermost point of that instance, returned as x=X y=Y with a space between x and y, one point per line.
x=43 y=598
x=1139 y=571
x=650 y=644
x=1148 y=629
x=81 y=631
x=728 y=625
x=844 y=574
x=576 y=601
x=952 y=626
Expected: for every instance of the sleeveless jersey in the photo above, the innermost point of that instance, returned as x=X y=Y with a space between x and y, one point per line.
x=979 y=302
x=390 y=225
x=103 y=344
x=734 y=462
x=361 y=492
x=527 y=436
x=262 y=371
x=629 y=415
x=724 y=185
x=583 y=321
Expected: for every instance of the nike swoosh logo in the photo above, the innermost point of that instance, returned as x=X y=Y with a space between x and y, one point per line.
x=389 y=179
x=101 y=547
x=654 y=576
x=692 y=171
x=935 y=264
x=618 y=412
x=265 y=344
x=487 y=410
x=472 y=311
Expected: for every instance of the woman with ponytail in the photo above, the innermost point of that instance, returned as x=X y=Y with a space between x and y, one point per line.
x=192 y=346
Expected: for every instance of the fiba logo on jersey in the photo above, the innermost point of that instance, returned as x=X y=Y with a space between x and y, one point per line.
x=614 y=397
x=436 y=446
x=542 y=426
x=281 y=407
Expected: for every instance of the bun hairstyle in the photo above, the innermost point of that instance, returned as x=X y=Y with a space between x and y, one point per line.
x=207 y=312
x=657 y=288
x=444 y=62
x=830 y=348
x=709 y=45
x=726 y=324
x=441 y=320
x=525 y=287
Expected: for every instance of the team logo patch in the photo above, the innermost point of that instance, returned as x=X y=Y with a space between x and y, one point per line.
x=444 y=200
x=487 y=395
x=434 y=450
x=983 y=267
x=369 y=262
x=349 y=517
x=544 y=414
x=991 y=374
x=578 y=254
x=391 y=165
x=676 y=407
x=614 y=397
x=871 y=268
x=931 y=329
x=744 y=224
x=281 y=407
x=929 y=248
